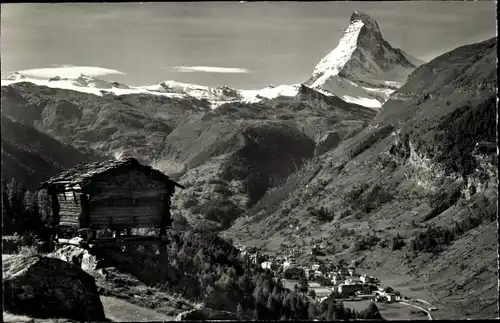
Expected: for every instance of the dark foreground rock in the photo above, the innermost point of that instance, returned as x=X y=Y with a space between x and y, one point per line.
x=45 y=287
x=148 y=268
x=208 y=314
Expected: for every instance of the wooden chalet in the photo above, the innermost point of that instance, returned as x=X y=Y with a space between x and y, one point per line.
x=116 y=194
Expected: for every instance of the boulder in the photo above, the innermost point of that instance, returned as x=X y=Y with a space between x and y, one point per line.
x=78 y=256
x=47 y=287
x=89 y=262
x=70 y=253
x=208 y=314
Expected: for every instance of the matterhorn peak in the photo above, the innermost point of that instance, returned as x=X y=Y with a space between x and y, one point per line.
x=363 y=68
x=365 y=18
x=370 y=25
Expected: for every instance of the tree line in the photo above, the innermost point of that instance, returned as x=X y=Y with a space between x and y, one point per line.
x=23 y=211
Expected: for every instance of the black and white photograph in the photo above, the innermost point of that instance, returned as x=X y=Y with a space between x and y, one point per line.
x=249 y=161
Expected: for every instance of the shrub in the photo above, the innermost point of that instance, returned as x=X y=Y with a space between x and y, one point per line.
x=397 y=242
x=365 y=243
x=344 y=232
x=371 y=313
x=432 y=240
x=322 y=214
x=189 y=202
x=179 y=220
x=365 y=199
x=223 y=190
x=217 y=181
x=369 y=140
x=220 y=210
x=458 y=133
x=442 y=201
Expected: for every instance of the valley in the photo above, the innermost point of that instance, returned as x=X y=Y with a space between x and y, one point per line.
x=379 y=160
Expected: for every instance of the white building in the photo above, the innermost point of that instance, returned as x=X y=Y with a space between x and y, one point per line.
x=315 y=267
x=352 y=280
x=318 y=273
x=266 y=265
x=336 y=280
x=367 y=279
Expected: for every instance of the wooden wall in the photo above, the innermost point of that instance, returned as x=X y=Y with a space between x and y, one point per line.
x=70 y=207
x=129 y=198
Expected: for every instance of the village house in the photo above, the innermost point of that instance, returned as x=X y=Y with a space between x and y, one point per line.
x=286 y=264
x=336 y=280
x=389 y=298
x=315 y=267
x=349 y=289
x=343 y=271
x=318 y=273
x=353 y=280
x=266 y=265
x=365 y=279
x=351 y=271
x=117 y=195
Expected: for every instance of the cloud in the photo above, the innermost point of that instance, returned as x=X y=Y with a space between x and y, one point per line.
x=210 y=69
x=68 y=71
x=62 y=65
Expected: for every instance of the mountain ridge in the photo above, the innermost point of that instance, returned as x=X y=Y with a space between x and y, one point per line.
x=364 y=68
x=362 y=38
x=414 y=173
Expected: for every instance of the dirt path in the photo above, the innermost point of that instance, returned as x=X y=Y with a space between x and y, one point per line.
x=118 y=310
x=429 y=316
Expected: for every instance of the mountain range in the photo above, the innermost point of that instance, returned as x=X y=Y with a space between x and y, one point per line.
x=376 y=146
x=363 y=69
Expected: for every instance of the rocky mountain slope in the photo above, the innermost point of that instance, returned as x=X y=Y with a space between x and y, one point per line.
x=109 y=124
x=180 y=134
x=31 y=156
x=364 y=68
x=174 y=126
x=241 y=151
x=412 y=198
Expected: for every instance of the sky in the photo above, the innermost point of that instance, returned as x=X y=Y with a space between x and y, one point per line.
x=241 y=45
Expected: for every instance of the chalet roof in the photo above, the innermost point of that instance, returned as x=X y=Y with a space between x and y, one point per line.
x=83 y=173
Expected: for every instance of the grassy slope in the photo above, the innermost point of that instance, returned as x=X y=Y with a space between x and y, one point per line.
x=466 y=75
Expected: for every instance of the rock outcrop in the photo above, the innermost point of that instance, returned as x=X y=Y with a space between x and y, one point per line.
x=147 y=268
x=46 y=287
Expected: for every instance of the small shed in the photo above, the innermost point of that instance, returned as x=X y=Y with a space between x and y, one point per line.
x=115 y=194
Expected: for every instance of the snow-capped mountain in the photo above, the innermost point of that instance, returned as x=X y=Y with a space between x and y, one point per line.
x=16 y=76
x=216 y=95
x=363 y=68
x=219 y=93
